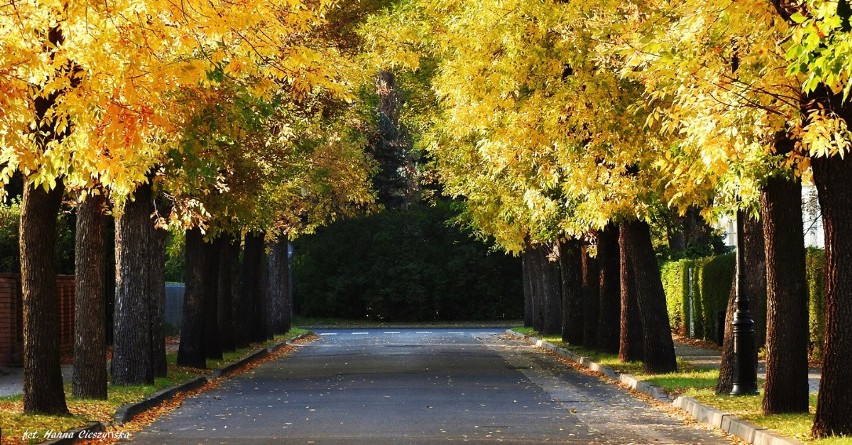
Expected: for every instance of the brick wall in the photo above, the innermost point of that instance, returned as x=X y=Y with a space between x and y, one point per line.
x=11 y=335
x=11 y=315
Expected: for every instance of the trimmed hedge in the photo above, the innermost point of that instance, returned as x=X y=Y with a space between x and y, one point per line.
x=404 y=265
x=712 y=279
x=815 y=270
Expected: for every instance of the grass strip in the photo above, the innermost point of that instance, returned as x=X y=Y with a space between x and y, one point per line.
x=699 y=383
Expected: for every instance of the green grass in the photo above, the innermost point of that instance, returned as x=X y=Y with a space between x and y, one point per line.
x=15 y=423
x=699 y=383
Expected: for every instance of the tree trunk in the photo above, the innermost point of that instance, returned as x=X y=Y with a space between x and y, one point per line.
x=210 y=273
x=551 y=298
x=591 y=298
x=526 y=280
x=252 y=294
x=571 y=271
x=89 y=378
x=786 y=387
x=834 y=407
x=191 y=350
x=241 y=304
x=658 y=346
x=43 y=391
x=609 y=327
x=131 y=354
x=755 y=270
x=630 y=342
x=265 y=304
x=537 y=300
x=229 y=252
x=277 y=286
x=288 y=291
x=157 y=264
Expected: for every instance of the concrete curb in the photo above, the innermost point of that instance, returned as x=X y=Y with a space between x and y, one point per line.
x=127 y=412
x=227 y=369
x=727 y=422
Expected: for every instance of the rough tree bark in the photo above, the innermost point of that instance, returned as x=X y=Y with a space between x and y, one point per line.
x=241 y=304
x=551 y=294
x=591 y=298
x=571 y=272
x=229 y=252
x=630 y=343
x=536 y=300
x=288 y=291
x=834 y=406
x=252 y=293
x=786 y=387
x=528 y=288
x=89 y=377
x=191 y=349
x=755 y=270
x=277 y=286
x=609 y=326
x=131 y=354
x=157 y=306
x=658 y=346
x=210 y=305
x=43 y=392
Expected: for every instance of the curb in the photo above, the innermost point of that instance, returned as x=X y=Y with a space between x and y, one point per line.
x=727 y=422
x=127 y=412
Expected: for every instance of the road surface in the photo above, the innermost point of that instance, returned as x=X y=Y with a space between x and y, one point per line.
x=418 y=386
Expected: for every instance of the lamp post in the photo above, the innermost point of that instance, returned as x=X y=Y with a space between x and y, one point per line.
x=745 y=360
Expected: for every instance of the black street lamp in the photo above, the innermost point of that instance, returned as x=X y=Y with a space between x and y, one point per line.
x=745 y=351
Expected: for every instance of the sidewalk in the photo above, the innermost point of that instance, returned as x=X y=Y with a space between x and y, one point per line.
x=12 y=379
x=710 y=358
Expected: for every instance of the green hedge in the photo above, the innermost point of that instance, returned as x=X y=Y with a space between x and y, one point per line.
x=404 y=265
x=715 y=276
x=815 y=270
x=712 y=279
x=675 y=282
x=711 y=282
x=10 y=214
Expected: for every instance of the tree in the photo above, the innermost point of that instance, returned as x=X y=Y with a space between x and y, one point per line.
x=609 y=326
x=658 y=347
x=591 y=298
x=278 y=287
x=818 y=40
x=89 y=378
x=786 y=388
x=157 y=300
x=191 y=349
x=132 y=362
x=43 y=392
x=630 y=342
x=571 y=272
x=210 y=305
x=229 y=257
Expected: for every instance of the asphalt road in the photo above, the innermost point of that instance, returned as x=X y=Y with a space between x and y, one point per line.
x=418 y=386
